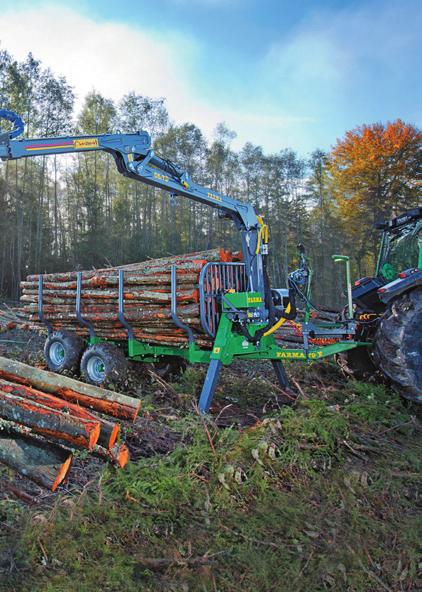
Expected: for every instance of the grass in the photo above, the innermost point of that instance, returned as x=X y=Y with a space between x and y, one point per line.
x=325 y=495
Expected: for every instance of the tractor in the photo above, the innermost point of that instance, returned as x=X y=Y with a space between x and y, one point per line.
x=388 y=310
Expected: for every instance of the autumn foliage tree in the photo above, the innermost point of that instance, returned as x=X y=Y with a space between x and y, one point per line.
x=374 y=175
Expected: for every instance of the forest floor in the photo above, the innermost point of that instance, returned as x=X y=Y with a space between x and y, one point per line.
x=268 y=494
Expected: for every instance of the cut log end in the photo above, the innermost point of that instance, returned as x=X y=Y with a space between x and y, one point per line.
x=123 y=456
x=62 y=474
x=114 y=435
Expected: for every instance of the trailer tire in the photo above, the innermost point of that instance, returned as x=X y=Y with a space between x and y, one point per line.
x=63 y=351
x=170 y=367
x=104 y=363
x=398 y=344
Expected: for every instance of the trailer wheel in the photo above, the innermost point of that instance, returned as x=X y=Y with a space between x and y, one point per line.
x=104 y=363
x=398 y=344
x=63 y=351
x=170 y=367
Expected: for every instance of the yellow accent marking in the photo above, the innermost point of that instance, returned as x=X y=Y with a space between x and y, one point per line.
x=49 y=147
x=212 y=196
x=278 y=323
x=263 y=234
x=291 y=355
x=216 y=350
x=299 y=355
x=130 y=157
x=85 y=143
x=251 y=300
x=161 y=177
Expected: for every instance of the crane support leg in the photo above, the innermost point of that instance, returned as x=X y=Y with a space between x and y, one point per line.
x=210 y=384
x=280 y=373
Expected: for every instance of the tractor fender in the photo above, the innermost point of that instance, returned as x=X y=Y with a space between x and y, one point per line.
x=399 y=286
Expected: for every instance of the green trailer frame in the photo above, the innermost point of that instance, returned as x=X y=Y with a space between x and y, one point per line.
x=230 y=345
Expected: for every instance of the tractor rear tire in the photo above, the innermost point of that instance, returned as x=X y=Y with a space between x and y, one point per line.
x=398 y=344
x=63 y=351
x=104 y=364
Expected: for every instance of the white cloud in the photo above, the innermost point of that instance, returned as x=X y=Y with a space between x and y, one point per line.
x=112 y=58
x=115 y=58
x=344 y=68
x=309 y=86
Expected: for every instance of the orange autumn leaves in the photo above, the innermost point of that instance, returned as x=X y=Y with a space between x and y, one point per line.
x=376 y=166
x=374 y=174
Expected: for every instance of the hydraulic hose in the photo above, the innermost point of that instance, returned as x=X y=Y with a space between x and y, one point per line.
x=279 y=323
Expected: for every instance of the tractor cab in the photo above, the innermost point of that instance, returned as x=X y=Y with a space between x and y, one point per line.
x=401 y=244
x=400 y=256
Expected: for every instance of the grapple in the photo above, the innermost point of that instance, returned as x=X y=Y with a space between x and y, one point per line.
x=18 y=124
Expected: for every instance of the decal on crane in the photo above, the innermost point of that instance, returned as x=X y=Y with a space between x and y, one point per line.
x=76 y=144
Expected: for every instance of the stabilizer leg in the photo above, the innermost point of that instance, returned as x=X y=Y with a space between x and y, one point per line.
x=280 y=373
x=210 y=384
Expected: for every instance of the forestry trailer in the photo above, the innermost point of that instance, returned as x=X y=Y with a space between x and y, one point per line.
x=239 y=309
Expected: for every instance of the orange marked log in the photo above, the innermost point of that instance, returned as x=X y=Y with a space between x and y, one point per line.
x=99 y=399
x=109 y=431
x=49 y=422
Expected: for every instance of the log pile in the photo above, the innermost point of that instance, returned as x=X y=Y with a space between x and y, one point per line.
x=290 y=333
x=147 y=298
x=45 y=415
x=11 y=318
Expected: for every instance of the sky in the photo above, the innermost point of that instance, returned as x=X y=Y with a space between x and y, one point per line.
x=280 y=73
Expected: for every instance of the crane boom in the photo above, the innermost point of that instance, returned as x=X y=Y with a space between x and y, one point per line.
x=136 y=159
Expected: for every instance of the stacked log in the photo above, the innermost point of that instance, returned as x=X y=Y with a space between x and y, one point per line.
x=87 y=395
x=147 y=299
x=11 y=318
x=44 y=411
x=290 y=333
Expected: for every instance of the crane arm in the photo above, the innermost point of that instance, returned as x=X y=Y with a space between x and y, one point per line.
x=136 y=159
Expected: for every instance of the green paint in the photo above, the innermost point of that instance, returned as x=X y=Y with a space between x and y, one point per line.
x=230 y=344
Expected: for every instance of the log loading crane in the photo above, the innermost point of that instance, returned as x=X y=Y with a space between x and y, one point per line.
x=247 y=318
